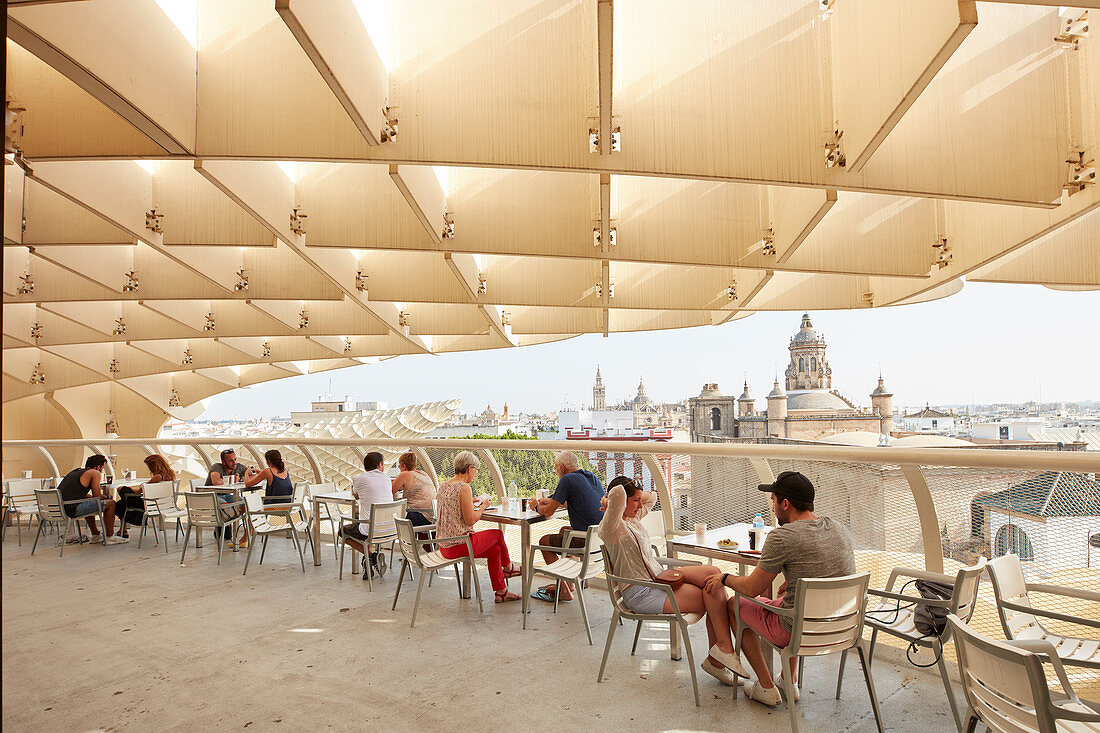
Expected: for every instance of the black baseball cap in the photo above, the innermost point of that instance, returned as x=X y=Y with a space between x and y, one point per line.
x=791 y=485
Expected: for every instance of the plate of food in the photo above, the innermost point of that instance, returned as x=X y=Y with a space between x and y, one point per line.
x=728 y=544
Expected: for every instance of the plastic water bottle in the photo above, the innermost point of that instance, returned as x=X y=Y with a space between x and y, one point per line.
x=758 y=522
x=513 y=490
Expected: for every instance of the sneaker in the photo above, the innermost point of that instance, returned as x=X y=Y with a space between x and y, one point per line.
x=725 y=676
x=380 y=564
x=729 y=660
x=96 y=538
x=767 y=695
x=116 y=540
x=779 y=686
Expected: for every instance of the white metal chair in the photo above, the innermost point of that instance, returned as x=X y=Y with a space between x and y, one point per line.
x=1020 y=620
x=259 y=525
x=381 y=531
x=20 y=502
x=827 y=618
x=414 y=555
x=204 y=509
x=677 y=621
x=895 y=616
x=575 y=565
x=160 y=507
x=1006 y=686
x=51 y=508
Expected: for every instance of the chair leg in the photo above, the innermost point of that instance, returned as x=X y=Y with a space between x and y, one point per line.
x=340 y=561
x=674 y=642
x=557 y=593
x=526 y=592
x=416 y=604
x=971 y=720
x=637 y=634
x=584 y=612
x=248 y=556
x=942 y=664
x=839 y=674
x=788 y=688
x=691 y=661
x=607 y=646
x=477 y=587
x=186 y=538
x=263 y=549
x=369 y=569
x=36 y=536
x=400 y=580
x=865 y=662
x=221 y=544
x=293 y=536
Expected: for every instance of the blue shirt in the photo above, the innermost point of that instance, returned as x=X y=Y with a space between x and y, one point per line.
x=581 y=492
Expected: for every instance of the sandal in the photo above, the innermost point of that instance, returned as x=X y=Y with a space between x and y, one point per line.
x=504 y=596
x=547 y=594
x=513 y=571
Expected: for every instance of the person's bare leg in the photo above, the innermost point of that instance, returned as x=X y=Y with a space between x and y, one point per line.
x=109 y=517
x=750 y=645
x=91 y=525
x=714 y=603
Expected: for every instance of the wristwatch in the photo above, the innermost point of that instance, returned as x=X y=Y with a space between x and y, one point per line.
x=724 y=576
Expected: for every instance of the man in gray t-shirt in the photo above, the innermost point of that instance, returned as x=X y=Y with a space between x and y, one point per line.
x=804 y=545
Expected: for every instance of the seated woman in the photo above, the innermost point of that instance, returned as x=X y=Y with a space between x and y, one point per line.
x=629 y=548
x=418 y=490
x=279 y=490
x=130 y=496
x=457 y=513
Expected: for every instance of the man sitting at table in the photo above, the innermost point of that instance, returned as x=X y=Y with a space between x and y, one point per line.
x=580 y=492
x=372 y=486
x=804 y=545
x=219 y=475
x=76 y=485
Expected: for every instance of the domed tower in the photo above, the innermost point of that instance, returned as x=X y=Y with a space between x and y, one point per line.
x=882 y=404
x=777 y=412
x=599 y=397
x=808 y=368
x=642 y=398
x=745 y=405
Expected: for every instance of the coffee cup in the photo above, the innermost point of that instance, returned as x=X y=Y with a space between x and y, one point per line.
x=700 y=531
x=27 y=474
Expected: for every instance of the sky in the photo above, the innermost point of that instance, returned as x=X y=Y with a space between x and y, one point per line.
x=989 y=343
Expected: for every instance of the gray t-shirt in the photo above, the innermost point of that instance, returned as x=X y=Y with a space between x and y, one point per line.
x=807 y=548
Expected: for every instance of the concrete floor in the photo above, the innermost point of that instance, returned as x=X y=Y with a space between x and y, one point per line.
x=122 y=639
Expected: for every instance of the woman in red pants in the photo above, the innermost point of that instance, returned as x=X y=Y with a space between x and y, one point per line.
x=456 y=514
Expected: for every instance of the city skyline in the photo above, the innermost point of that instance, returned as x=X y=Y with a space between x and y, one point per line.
x=989 y=343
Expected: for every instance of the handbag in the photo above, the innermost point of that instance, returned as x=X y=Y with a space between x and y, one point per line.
x=670 y=577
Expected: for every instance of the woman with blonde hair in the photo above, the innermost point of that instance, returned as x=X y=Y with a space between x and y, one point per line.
x=133 y=506
x=458 y=511
x=418 y=490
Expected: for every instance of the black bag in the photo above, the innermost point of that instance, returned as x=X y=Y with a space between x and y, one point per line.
x=932 y=620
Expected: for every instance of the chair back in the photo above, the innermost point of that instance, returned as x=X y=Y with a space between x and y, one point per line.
x=592 y=556
x=965 y=596
x=1005 y=686
x=158 y=496
x=197 y=483
x=325 y=488
x=301 y=489
x=382 y=516
x=1009 y=585
x=615 y=585
x=406 y=540
x=202 y=508
x=21 y=492
x=254 y=508
x=828 y=614
x=49 y=505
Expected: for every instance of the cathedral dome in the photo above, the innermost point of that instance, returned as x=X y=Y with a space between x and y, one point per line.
x=642 y=399
x=816 y=399
x=807 y=334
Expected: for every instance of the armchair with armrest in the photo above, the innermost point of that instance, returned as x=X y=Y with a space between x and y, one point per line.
x=575 y=565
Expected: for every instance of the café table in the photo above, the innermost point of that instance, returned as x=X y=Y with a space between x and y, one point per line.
x=518 y=517
x=337 y=497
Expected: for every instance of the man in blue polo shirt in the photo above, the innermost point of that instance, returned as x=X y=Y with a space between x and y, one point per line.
x=580 y=493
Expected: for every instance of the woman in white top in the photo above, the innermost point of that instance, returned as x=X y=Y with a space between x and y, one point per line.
x=631 y=554
x=457 y=513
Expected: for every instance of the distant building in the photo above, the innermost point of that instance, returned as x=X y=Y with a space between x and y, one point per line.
x=928 y=421
x=643 y=411
x=809 y=410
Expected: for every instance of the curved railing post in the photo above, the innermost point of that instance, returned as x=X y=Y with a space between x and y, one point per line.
x=766 y=475
x=260 y=463
x=926 y=513
x=318 y=474
x=422 y=459
x=49 y=459
x=664 y=491
x=494 y=471
x=100 y=451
